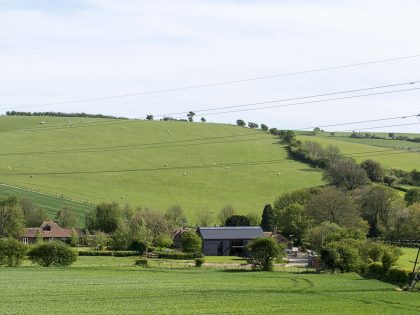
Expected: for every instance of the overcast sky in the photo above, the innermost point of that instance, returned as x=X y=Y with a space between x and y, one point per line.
x=58 y=50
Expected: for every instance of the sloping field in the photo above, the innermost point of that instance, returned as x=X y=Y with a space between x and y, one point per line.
x=149 y=163
x=51 y=204
x=387 y=156
x=130 y=290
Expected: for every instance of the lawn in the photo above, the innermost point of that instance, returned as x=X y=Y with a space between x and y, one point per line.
x=134 y=290
x=407 y=258
x=152 y=163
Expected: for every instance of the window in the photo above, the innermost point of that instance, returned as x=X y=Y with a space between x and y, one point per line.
x=25 y=241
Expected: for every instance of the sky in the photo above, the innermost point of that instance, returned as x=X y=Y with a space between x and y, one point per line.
x=57 y=51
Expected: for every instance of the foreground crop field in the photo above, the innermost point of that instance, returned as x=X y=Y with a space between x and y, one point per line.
x=149 y=163
x=131 y=290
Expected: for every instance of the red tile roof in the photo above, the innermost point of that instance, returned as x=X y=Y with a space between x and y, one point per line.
x=50 y=229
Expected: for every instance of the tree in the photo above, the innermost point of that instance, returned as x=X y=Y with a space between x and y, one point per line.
x=155 y=223
x=190 y=116
x=33 y=216
x=204 y=217
x=317 y=129
x=335 y=206
x=52 y=254
x=176 y=217
x=191 y=242
x=226 y=212
x=74 y=239
x=240 y=123
x=203 y=119
x=374 y=170
x=346 y=174
x=264 y=127
x=267 y=218
x=332 y=154
x=287 y=136
x=254 y=219
x=300 y=197
x=11 y=218
x=12 y=252
x=163 y=240
x=149 y=117
x=99 y=240
x=412 y=196
x=341 y=255
x=104 y=217
x=237 y=220
x=391 y=135
x=262 y=251
x=253 y=125
x=66 y=217
x=407 y=223
x=378 y=205
x=293 y=220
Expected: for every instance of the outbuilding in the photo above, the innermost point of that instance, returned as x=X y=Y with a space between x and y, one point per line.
x=227 y=240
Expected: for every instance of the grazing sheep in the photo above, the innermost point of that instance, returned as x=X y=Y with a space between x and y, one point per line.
x=185 y=174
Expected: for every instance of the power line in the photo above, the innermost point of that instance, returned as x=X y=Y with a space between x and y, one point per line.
x=221 y=82
x=186 y=142
x=379 y=127
x=112 y=122
x=187 y=167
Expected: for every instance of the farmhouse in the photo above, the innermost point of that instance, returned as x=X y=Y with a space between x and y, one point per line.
x=228 y=241
x=49 y=231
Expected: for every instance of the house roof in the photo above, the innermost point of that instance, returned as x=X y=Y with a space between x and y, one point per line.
x=50 y=229
x=230 y=232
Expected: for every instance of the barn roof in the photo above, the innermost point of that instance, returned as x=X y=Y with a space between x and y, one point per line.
x=230 y=232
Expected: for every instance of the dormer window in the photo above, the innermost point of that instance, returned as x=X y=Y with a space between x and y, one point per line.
x=47 y=228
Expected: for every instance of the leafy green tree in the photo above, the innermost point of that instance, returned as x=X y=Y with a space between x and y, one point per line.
x=155 y=223
x=346 y=174
x=374 y=170
x=11 y=218
x=293 y=220
x=33 y=216
x=104 y=217
x=149 y=117
x=74 y=239
x=52 y=254
x=262 y=251
x=390 y=257
x=99 y=240
x=412 y=196
x=190 y=116
x=176 y=217
x=240 y=123
x=253 y=125
x=225 y=213
x=300 y=197
x=203 y=119
x=237 y=220
x=378 y=205
x=66 y=217
x=341 y=255
x=407 y=223
x=332 y=154
x=254 y=219
x=264 y=127
x=287 y=136
x=12 y=252
x=163 y=240
x=267 y=218
x=191 y=242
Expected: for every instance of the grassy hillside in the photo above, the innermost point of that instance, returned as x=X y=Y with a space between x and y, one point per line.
x=51 y=204
x=149 y=163
x=131 y=290
x=383 y=151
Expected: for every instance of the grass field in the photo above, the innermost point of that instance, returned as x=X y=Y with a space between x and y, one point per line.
x=199 y=172
x=361 y=149
x=134 y=290
x=406 y=260
x=51 y=204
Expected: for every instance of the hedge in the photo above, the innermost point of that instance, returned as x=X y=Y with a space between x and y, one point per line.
x=398 y=275
x=178 y=255
x=117 y=253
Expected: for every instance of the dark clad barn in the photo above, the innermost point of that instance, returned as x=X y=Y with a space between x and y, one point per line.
x=228 y=241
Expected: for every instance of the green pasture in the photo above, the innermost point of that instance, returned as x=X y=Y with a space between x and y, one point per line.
x=134 y=290
x=389 y=157
x=149 y=163
x=51 y=204
x=407 y=258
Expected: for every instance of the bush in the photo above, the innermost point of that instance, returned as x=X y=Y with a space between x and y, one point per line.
x=95 y=253
x=12 y=252
x=398 y=275
x=341 y=256
x=52 y=254
x=375 y=270
x=142 y=262
x=139 y=247
x=390 y=257
x=262 y=251
x=199 y=262
x=178 y=255
x=191 y=242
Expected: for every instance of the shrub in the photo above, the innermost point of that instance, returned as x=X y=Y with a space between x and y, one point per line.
x=342 y=255
x=138 y=246
x=12 y=252
x=163 y=240
x=95 y=253
x=398 y=275
x=178 y=255
x=142 y=262
x=199 y=262
x=390 y=257
x=262 y=251
x=191 y=242
x=375 y=269
x=52 y=254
